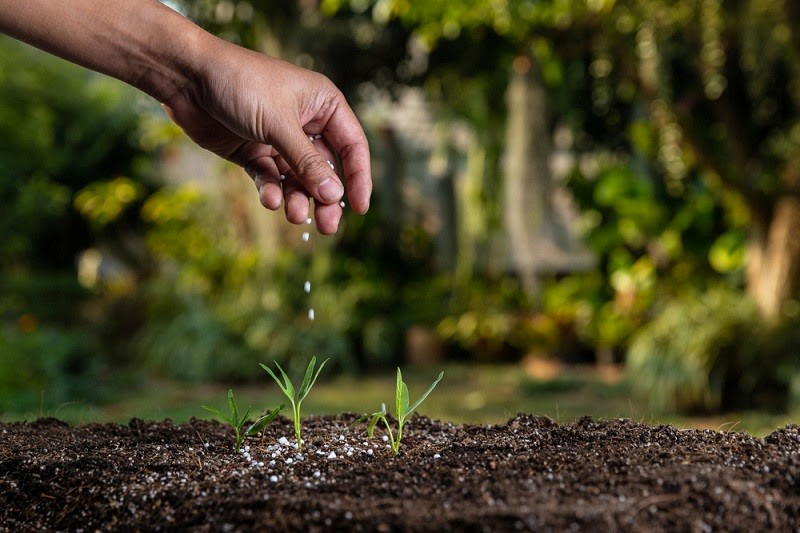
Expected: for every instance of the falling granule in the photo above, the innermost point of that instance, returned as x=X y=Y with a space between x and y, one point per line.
x=342 y=204
x=307 y=287
x=308 y=220
x=331 y=164
x=305 y=236
x=283 y=177
x=318 y=136
x=311 y=314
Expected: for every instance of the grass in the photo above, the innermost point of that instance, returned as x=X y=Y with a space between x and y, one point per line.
x=474 y=394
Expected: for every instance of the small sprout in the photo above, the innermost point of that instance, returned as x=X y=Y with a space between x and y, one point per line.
x=237 y=423
x=402 y=409
x=296 y=397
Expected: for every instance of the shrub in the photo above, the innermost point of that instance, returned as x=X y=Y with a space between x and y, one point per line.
x=46 y=366
x=710 y=352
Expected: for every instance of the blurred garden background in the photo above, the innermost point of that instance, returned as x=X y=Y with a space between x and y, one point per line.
x=581 y=207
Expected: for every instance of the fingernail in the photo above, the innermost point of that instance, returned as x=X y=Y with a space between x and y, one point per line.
x=330 y=190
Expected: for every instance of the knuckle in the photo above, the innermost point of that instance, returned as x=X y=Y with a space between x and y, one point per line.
x=310 y=167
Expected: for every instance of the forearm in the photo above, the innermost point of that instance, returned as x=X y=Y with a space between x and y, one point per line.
x=140 y=42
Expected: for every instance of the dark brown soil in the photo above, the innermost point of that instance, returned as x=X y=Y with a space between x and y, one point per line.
x=527 y=474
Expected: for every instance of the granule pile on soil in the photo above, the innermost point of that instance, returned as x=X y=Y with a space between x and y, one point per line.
x=528 y=474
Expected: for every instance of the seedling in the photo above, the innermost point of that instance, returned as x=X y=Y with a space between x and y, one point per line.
x=402 y=410
x=238 y=423
x=296 y=397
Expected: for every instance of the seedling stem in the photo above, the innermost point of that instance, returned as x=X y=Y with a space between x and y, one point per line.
x=296 y=397
x=237 y=423
x=402 y=410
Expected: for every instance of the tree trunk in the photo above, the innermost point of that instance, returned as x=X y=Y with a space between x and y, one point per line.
x=537 y=236
x=773 y=267
x=527 y=177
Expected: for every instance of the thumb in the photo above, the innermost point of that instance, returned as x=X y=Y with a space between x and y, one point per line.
x=310 y=168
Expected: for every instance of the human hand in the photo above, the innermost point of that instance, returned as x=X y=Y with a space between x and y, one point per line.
x=276 y=119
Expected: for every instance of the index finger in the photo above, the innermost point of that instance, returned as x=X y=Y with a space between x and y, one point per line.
x=346 y=136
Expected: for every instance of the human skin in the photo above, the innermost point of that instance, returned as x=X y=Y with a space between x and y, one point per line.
x=252 y=109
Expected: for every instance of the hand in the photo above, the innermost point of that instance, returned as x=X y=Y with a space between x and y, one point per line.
x=275 y=119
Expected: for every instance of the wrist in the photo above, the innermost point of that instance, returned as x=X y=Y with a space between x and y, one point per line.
x=173 y=58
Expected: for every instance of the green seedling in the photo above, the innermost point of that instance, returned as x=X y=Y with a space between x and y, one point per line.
x=238 y=423
x=296 y=397
x=402 y=409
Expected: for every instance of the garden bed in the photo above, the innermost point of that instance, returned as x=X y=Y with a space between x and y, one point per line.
x=528 y=474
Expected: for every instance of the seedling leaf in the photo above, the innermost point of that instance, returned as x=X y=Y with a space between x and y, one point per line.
x=242 y=420
x=315 y=377
x=273 y=376
x=217 y=412
x=232 y=407
x=263 y=421
x=402 y=408
x=296 y=397
x=237 y=423
x=422 y=398
x=358 y=420
x=372 y=423
x=289 y=391
x=401 y=395
x=307 y=378
x=404 y=398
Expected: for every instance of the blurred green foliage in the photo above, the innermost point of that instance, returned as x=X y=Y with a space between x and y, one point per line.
x=683 y=126
x=710 y=350
x=67 y=137
x=48 y=366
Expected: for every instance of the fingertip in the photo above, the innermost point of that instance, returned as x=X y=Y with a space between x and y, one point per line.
x=328 y=230
x=360 y=208
x=359 y=194
x=296 y=207
x=270 y=197
x=327 y=217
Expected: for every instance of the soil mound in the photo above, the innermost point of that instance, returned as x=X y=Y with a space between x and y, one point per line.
x=527 y=474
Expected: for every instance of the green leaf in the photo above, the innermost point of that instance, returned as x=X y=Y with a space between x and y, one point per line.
x=241 y=421
x=264 y=421
x=315 y=377
x=358 y=420
x=232 y=407
x=289 y=387
x=422 y=398
x=372 y=423
x=278 y=381
x=307 y=378
x=404 y=398
x=217 y=413
x=401 y=395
